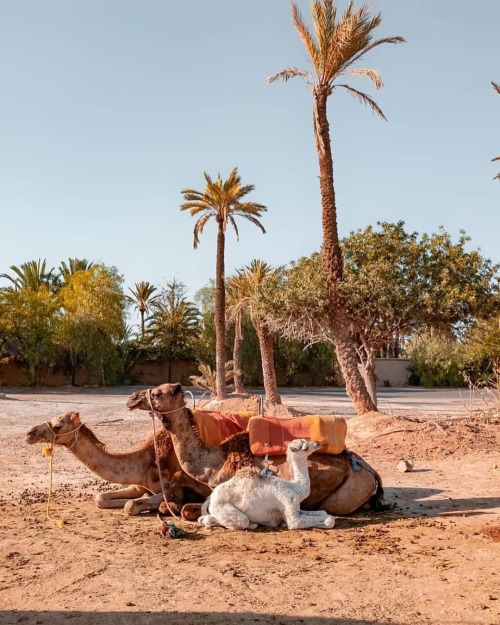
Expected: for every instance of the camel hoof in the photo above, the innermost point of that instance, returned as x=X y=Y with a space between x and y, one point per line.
x=100 y=501
x=191 y=511
x=171 y=509
x=329 y=522
x=129 y=509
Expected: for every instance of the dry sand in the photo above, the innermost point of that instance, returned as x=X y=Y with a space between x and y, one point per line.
x=432 y=557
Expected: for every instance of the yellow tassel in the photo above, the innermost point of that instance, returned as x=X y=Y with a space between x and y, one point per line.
x=60 y=522
x=47 y=452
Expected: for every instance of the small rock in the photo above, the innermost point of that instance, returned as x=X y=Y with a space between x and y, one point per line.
x=405 y=466
x=3 y=396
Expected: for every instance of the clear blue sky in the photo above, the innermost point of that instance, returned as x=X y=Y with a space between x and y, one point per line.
x=109 y=108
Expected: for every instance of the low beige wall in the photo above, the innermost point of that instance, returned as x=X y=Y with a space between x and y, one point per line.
x=392 y=371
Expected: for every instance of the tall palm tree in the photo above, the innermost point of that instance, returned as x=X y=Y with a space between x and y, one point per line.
x=496 y=87
x=221 y=200
x=334 y=46
x=142 y=298
x=245 y=288
x=31 y=275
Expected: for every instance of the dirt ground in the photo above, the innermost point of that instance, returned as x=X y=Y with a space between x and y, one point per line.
x=432 y=557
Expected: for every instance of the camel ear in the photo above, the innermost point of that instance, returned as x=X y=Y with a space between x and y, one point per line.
x=176 y=389
x=75 y=418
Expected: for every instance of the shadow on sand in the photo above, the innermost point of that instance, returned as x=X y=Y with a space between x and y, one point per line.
x=417 y=502
x=181 y=618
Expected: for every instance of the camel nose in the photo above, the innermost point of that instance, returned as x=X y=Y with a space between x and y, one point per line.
x=135 y=399
x=30 y=436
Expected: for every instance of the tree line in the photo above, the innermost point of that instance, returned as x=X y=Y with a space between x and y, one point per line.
x=408 y=294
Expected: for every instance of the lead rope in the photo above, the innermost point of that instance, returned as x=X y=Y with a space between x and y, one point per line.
x=171 y=530
x=48 y=452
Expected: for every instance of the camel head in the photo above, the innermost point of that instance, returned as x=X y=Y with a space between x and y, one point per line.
x=301 y=446
x=58 y=431
x=165 y=399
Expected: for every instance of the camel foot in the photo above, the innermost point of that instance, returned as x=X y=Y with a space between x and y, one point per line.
x=191 y=511
x=172 y=509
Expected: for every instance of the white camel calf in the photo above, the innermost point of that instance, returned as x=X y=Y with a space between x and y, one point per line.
x=245 y=501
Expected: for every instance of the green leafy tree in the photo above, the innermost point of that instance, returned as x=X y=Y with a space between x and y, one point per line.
x=205 y=345
x=334 y=46
x=223 y=201
x=174 y=325
x=26 y=326
x=436 y=360
x=397 y=285
x=482 y=350
x=142 y=298
x=93 y=322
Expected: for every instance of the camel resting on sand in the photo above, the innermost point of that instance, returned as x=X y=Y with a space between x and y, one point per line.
x=246 y=501
x=136 y=467
x=340 y=484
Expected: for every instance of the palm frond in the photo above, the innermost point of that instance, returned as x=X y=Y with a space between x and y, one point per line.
x=371 y=46
x=306 y=37
x=254 y=220
x=496 y=86
x=199 y=227
x=286 y=74
x=365 y=99
x=233 y=223
x=371 y=74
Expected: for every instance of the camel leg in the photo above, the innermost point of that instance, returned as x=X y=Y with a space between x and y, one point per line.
x=297 y=520
x=357 y=490
x=118 y=498
x=145 y=504
x=228 y=516
x=182 y=480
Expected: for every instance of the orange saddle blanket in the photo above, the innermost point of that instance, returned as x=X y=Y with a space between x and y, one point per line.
x=215 y=427
x=271 y=435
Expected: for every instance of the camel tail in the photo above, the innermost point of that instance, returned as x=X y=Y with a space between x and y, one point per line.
x=376 y=500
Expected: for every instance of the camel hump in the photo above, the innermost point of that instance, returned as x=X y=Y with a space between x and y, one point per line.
x=270 y=436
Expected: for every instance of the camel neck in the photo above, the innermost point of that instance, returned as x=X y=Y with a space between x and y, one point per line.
x=121 y=468
x=199 y=461
x=299 y=472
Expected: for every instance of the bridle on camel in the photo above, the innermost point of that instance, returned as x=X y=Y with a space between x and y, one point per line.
x=159 y=415
x=48 y=452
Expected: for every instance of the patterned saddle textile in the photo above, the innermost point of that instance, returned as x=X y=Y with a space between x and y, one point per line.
x=270 y=436
x=215 y=427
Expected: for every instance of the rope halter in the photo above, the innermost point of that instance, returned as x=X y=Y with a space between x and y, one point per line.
x=75 y=431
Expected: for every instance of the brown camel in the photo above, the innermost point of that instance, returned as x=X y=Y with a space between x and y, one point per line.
x=340 y=484
x=136 y=467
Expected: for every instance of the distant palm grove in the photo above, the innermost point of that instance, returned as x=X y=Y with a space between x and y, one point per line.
x=322 y=319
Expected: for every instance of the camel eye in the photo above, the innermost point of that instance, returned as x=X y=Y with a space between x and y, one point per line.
x=57 y=427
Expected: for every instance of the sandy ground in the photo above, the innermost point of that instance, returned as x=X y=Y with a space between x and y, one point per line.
x=432 y=557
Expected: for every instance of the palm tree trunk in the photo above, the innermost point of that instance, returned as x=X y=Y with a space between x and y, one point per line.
x=141 y=312
x=267 y=357
x=333 y=263
x=220 y=316
x=237 y=357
